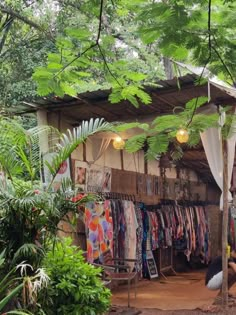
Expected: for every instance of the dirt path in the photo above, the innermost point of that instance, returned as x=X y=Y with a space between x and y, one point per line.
x=184 y=294
x=149 y=311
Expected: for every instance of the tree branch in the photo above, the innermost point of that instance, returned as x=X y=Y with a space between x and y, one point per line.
x=93 y=45
x=207 y=61
x=20 y=17
x=107 y=66
x=222 y=61
x=5 y=31
x=90 y=47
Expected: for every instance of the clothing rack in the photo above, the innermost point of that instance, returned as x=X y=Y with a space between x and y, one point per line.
x=171 y=202
x=115 y=195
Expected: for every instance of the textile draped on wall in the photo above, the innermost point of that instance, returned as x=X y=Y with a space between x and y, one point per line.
x=212 y=143
x=232 y=228
x=99 y=147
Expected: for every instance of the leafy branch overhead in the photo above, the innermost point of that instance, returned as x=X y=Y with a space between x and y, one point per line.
x=69 y=71
x=161 y=133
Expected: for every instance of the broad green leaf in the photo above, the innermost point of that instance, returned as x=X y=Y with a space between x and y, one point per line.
x=133 y=100
x=54 y=65
x=68 y=89
x=134 y=76
x=11 y=294
x=196 y=102
x=79 y=33
x=53 y=57
x=159 y=143
x=135 y=143
x=124 y=127
x=42 y=73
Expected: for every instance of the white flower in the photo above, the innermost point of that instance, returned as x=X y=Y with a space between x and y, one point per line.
x=42 y=278
x=23 y=268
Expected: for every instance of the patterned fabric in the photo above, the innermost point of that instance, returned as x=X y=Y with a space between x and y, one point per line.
x=99 y=229
x=139 y=232
x=115 y=217
x=145 y=239
x=122 y=230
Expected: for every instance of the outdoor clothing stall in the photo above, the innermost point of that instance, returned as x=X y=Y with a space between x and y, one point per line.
x=133 y=230
x=165 y=220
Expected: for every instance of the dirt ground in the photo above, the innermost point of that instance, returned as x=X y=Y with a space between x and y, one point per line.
x=184 y=294
x=125 y=311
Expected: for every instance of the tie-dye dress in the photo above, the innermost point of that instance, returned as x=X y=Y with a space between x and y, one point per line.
x=99 y=229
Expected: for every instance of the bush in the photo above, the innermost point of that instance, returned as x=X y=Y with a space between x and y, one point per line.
x=75 y=287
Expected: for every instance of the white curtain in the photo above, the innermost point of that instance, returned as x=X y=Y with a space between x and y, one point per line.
x=212 y=143
x=99 y=147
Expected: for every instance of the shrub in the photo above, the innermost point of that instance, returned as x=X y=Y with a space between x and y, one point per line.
x=75 y=286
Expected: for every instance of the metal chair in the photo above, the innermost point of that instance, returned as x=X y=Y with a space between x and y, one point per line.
x=115 y=269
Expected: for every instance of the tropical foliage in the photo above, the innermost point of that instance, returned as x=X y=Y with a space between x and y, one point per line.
x=75 y=287
x=24 y=286
x=29 y=211
x=160 y=136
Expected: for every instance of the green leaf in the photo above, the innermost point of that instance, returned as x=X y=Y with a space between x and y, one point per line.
x=68 y=89
x=158 y=144
x=135 y=143
x=84 y=74
x=196 y=102
x=167 y=122
x=133 y=100
x=144 y=126
x=55 y=66
x=176 y=52
x=79 y=33
x=42 y=73
x=53 y=57
x=135 y=76
x=126 y=126
x=115 y=96
x=12 y=294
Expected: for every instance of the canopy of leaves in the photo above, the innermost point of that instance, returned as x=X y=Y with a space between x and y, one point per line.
x=36 y=33
x=200 y=31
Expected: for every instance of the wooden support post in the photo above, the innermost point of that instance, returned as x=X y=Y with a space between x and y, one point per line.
x=122 y=159
x=225 y=225
x=84 y=152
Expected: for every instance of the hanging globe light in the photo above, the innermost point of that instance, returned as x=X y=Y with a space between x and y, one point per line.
x=182 y=135
x=118 y=143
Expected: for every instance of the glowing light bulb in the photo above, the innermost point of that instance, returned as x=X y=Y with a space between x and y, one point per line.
x=182 y=135
x=118 y=143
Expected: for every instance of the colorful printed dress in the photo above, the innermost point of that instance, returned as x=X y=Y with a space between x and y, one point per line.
x=99 y=229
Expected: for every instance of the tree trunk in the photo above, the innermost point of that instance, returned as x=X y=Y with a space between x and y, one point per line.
x=168 y=68
x=225 y=225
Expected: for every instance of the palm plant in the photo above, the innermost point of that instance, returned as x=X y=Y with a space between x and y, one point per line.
x=30 y=212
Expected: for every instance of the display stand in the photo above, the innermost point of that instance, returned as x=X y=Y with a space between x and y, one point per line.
x=151 y=264
x=165 y=261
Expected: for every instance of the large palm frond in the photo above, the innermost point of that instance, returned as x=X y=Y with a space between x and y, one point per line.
x=19 y=148
x=70 y=141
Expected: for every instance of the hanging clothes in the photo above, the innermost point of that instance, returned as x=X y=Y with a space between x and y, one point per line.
x=139 y=233
x=99 y=229
x=131 y=233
